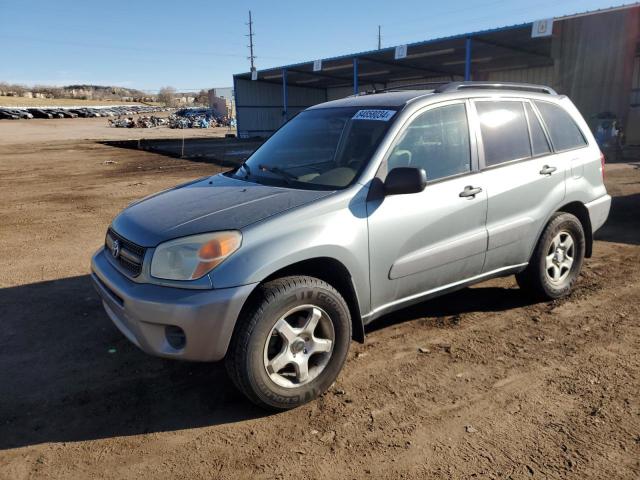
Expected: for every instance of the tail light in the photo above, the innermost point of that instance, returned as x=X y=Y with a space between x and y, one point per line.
x=602 y=162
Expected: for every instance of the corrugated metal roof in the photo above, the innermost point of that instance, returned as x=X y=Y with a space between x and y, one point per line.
x=598 y=11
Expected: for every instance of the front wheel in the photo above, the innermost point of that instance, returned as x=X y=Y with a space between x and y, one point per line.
x=557 y=259
x=292 y=343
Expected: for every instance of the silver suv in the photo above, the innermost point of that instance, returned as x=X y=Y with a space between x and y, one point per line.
x=353 y=209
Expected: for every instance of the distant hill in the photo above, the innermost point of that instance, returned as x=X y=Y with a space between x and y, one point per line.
x=105 y=91
x=80 y=92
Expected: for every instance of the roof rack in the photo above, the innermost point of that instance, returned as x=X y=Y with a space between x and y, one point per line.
x=401 y=88
x=526 y=87
x=410 y=86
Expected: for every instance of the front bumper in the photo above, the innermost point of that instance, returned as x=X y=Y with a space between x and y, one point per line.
x=142 y=312
x=599 y=211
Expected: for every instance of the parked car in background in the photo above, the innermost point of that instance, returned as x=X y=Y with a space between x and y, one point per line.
x=39 y=113
x=84 y=112
x=353 y=209
x=8 y=114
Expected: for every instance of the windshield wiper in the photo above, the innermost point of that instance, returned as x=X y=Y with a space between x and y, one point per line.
x=286 y=176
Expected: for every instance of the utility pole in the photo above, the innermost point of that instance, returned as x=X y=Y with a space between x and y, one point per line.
x=379 y=38
x=251 y=56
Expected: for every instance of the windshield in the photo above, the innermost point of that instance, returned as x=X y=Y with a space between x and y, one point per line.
x=319 y=149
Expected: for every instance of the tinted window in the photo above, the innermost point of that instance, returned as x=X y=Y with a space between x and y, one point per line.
x=539 y=142
x=564 y=132
x=438 y=141
x=505 y=134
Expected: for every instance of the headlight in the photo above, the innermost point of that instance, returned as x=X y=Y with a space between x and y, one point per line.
x=190 y=258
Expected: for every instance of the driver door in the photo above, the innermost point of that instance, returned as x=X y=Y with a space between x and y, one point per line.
x=424 y=241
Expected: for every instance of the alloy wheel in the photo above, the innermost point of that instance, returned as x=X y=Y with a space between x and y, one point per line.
x=560 y=257
x=299 y=346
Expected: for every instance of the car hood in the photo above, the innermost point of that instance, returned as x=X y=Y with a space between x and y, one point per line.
x=206 y=205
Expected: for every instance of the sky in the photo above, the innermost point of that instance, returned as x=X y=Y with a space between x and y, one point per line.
x=196 y=44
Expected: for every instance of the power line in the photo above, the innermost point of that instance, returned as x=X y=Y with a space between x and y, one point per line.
x=133 y=50
x=442 y=26
x=442 y=13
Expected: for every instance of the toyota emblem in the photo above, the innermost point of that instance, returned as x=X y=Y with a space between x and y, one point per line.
x=115 y=248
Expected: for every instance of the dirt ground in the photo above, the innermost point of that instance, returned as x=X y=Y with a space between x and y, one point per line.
x=481 y=383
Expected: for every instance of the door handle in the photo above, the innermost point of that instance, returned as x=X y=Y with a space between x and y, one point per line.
x=470 y=192
x=547 y=170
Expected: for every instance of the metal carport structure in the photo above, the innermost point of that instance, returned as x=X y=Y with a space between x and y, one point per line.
x=594 y=57
x=278 y=93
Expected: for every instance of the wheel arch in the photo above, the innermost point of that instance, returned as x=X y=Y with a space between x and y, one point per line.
x=332 y=271
x=578 y=210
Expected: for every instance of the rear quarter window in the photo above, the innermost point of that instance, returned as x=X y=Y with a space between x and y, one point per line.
x=539 y=144
x=564 y=133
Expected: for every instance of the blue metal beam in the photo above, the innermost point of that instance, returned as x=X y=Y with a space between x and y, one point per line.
x=467 y=60
x=355 y=76
x=284 y=94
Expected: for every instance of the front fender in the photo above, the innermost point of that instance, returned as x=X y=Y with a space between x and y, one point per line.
x=332 y=228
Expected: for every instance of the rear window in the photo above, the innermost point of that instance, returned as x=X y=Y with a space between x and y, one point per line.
x=504 y=129
x=565 y=134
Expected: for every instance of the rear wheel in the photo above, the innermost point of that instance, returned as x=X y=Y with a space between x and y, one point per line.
x=557 y=259
x=292 y=344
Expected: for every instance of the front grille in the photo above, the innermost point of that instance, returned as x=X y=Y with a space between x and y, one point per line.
x=130 y=255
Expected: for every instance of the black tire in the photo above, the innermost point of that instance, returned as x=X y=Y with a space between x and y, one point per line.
x=245 y=359
x=535 y=279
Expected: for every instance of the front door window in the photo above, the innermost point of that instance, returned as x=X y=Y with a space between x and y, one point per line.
x=437 y=141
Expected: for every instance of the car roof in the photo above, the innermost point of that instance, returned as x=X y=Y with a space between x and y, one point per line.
x=387 y=99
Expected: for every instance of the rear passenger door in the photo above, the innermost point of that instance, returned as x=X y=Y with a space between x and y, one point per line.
x=525 y=181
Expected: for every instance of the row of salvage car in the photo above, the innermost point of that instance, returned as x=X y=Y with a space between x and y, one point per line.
x=13 y=113
x=193 y=117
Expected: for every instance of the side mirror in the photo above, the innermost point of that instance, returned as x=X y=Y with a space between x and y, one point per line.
x=403 y=180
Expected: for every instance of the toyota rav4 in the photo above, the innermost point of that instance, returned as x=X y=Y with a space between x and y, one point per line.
x=353 y=209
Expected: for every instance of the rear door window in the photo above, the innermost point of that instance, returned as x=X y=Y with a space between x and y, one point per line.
x=565 y=134
x=505 y=134
x=539 y=143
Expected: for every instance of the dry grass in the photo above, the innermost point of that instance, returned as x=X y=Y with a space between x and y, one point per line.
x=59 y=102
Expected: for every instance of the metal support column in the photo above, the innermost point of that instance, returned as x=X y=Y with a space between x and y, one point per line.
x=355 y=76
x=467 y=60
x=234 y=95
x=284 y=94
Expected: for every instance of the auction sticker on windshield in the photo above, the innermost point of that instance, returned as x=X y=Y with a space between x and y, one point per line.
x=381 y=115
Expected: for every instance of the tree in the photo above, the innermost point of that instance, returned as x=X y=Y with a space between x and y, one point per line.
x=167 y=95
x=202 y=98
